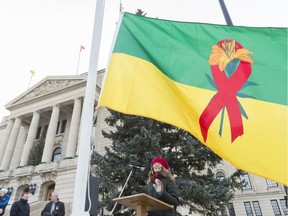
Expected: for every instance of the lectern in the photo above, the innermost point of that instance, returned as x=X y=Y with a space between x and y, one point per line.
x=143 y=203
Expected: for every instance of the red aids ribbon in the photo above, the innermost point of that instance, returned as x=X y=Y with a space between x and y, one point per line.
x=226 y=97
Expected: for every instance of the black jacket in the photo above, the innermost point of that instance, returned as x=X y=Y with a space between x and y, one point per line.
x=20 y=208
x=169 y=196
x=58 y=211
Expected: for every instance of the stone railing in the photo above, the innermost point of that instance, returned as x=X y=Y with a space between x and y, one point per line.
x=4 y=174
x=27 y=170
x=47 y=167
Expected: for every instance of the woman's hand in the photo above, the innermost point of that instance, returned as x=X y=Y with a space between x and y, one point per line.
x=158 y=186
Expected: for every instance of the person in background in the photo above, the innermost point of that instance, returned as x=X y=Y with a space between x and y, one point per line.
x=4 y=200
x=21 y=207
x=161 y=185
x=54 y=207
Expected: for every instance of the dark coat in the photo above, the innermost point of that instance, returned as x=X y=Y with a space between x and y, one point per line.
x=58 y=211
x=20 y=208
x=169 y=196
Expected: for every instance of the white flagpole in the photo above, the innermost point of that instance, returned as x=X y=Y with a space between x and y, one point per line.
x=30 y=82
x=83 y=163
x=78 y=61
x=32 y=73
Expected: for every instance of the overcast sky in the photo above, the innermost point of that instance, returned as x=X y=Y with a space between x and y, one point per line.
x=46 y=35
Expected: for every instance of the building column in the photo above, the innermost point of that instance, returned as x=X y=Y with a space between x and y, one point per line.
x=7 y=157
x=50 y=136
x=74 y=129
x=30 y=138
x=6 y=138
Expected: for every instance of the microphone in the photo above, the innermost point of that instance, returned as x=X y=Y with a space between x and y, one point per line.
x=137 y=167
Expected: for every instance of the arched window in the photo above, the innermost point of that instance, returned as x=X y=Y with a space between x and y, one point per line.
x=56 y=155
x=50 y=190
x=220 y=175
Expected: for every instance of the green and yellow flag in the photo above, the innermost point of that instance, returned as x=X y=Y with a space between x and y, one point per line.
x=226 y=85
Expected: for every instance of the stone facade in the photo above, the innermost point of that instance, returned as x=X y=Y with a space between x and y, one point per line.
x=52 y=108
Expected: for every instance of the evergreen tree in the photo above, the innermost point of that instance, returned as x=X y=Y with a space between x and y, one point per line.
x=136 y=141
x=36 y=152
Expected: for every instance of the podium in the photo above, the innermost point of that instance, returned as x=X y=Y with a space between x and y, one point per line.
x=143 y=203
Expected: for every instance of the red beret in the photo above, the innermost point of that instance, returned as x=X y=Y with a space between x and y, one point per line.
x=161 y=161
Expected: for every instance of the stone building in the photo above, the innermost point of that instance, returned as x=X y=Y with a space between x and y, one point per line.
x=259 y=196
x=50 y=112
x=50 y=109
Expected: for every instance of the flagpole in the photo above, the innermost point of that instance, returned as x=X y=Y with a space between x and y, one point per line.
x=120 y=8
x=32 y=73
x=81 y=48
x=225 y=13
x=78 y=61
x=83 y=163
x=30 y=81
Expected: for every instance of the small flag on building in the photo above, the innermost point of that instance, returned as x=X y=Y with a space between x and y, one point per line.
x=32 y=73
x=82 y=48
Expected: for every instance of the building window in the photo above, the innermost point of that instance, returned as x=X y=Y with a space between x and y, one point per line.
x=41 y=131
x=231 y=209
x=56 y=155
x=248 y=208
x=38 y=133
x=257 y=208
x=284 y=206
x=271 y=183
x=63 y=126
x=246 y=181
x=275 y=207
x=220 y=175
x=58 y=126
x=223 y=211
x=44 y=131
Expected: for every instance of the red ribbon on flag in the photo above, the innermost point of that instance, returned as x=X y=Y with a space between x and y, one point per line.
x=226 y=97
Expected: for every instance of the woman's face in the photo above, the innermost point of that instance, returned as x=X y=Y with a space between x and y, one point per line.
x=157 y=167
